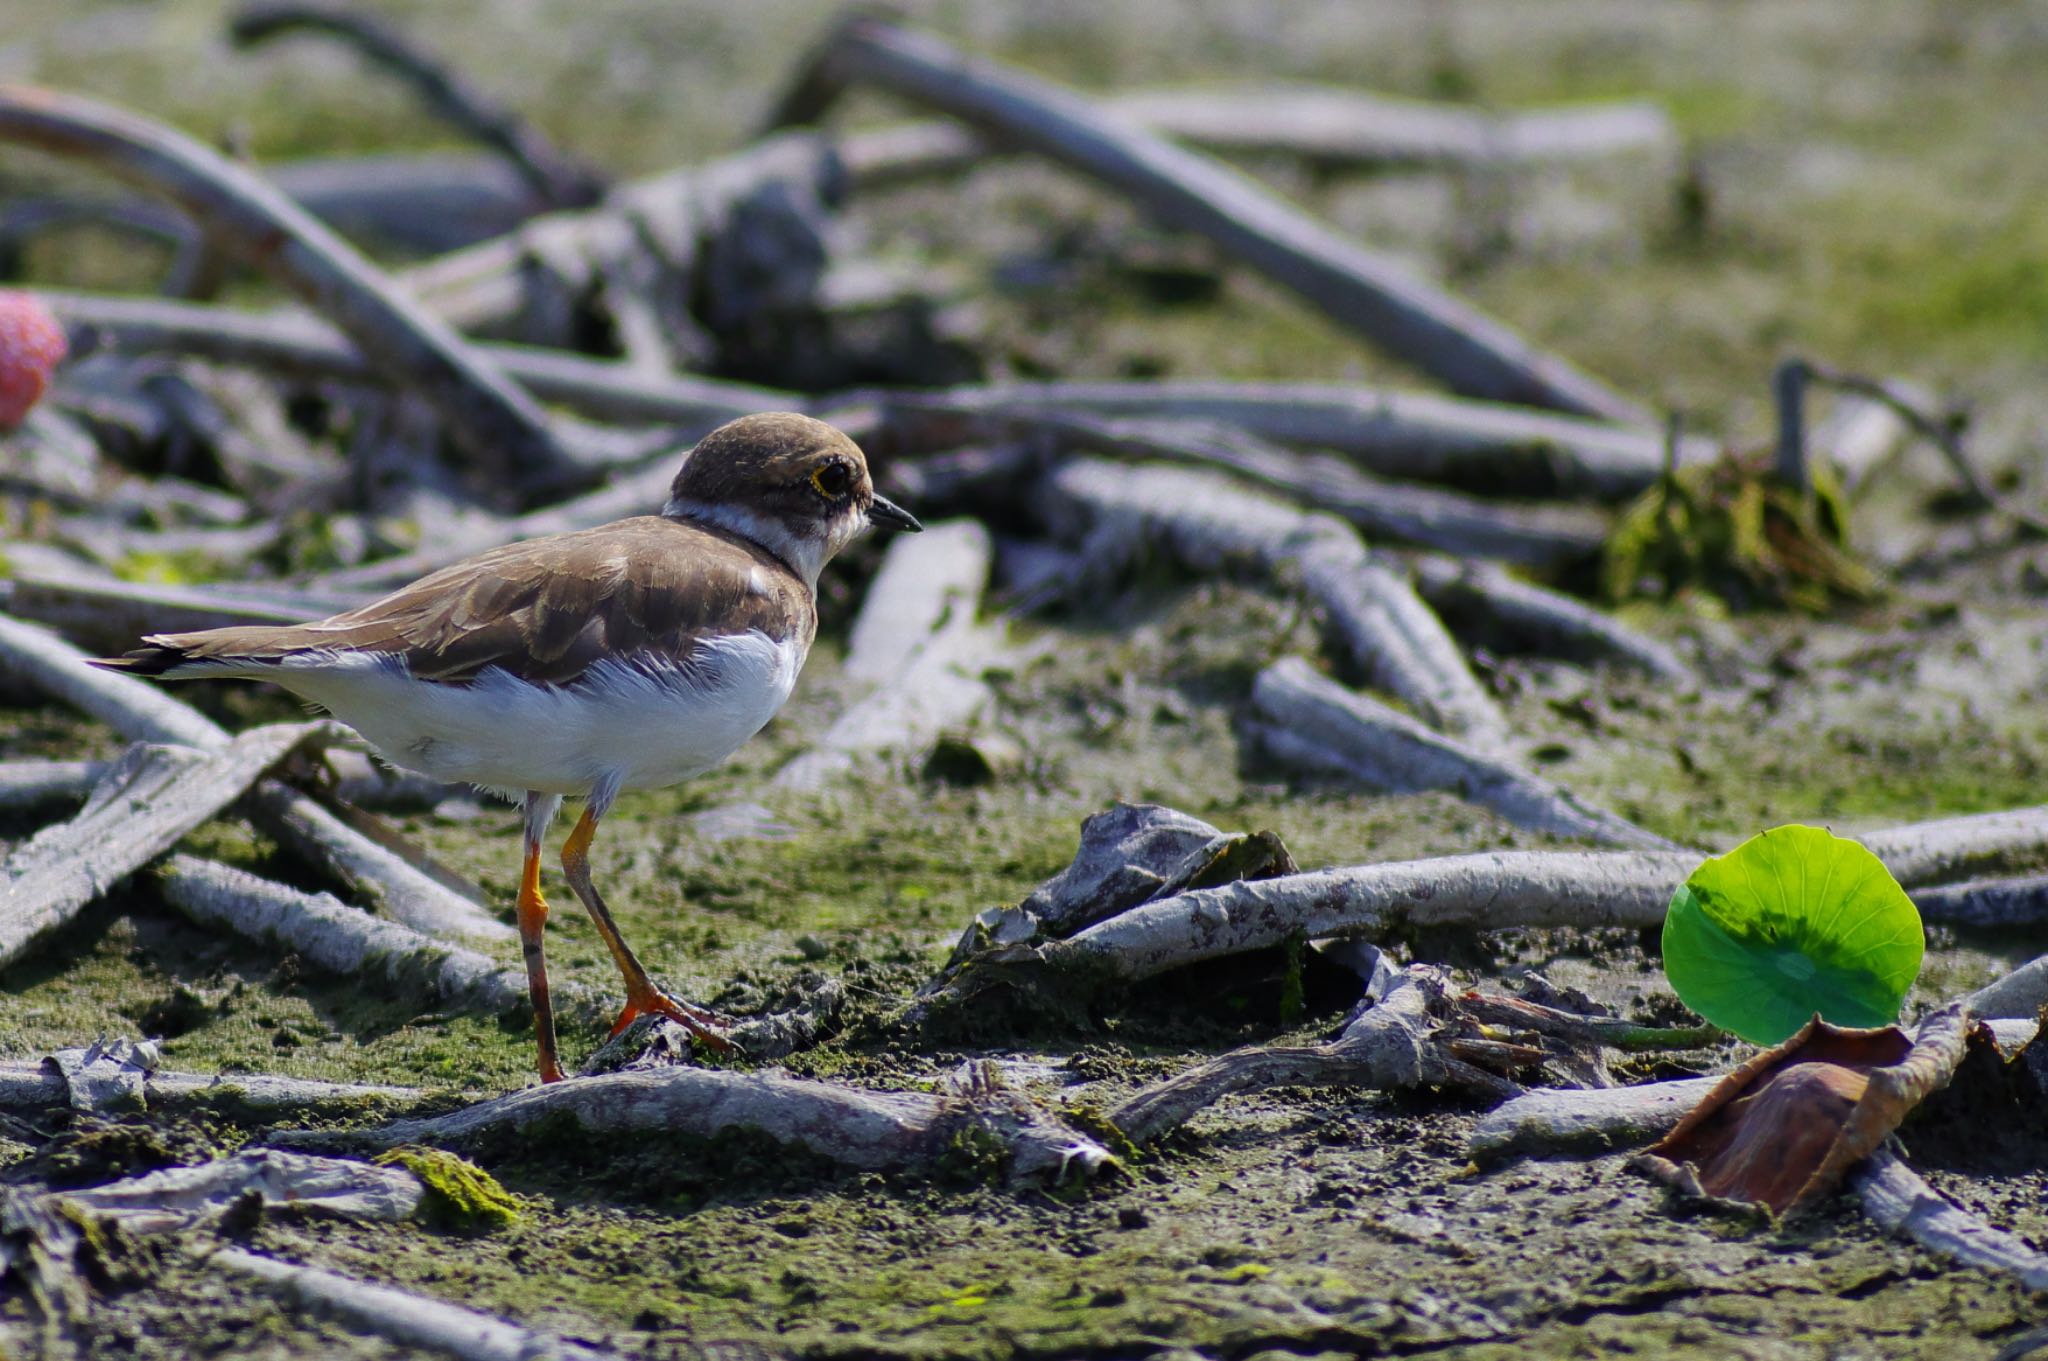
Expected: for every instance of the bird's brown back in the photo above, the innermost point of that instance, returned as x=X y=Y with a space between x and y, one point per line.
x=544 y=610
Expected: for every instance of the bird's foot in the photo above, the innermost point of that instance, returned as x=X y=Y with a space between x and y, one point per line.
x=706 y=1026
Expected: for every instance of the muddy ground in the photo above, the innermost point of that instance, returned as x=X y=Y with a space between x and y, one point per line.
x=1860 y=185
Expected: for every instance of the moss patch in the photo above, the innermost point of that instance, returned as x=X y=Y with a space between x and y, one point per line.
x=460 y=1195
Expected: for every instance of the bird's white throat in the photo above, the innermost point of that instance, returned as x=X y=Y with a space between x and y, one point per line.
x=806 y=554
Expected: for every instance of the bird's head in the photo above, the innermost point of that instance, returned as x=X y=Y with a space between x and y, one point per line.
x=794 y=485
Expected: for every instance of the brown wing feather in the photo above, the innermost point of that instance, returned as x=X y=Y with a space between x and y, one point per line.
x=545 y=609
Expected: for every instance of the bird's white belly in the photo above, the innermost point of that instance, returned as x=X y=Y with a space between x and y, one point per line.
x=622 y=725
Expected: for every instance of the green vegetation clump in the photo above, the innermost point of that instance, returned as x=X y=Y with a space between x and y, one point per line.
x=460 y=1195
x=1733 y=531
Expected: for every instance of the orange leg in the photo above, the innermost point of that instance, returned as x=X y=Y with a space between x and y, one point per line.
x=642 y=996
x=533 y=916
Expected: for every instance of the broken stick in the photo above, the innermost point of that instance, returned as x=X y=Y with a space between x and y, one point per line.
x=147 y=800
x=1308 y=720
x=1208 y=522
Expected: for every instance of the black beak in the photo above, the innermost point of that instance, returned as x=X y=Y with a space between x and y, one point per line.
x=889 y=515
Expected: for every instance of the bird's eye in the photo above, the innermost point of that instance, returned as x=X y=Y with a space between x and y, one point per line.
x=833 y=480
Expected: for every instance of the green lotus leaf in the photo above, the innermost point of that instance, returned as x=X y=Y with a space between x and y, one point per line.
x=1793 y=921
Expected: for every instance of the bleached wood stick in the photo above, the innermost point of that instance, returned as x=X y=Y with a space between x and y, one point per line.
x=1483 y=892
x=1987 y=904
x=1482 y=446
x=401 y=1317
x=1307 y=719
x=868 y=1130
x=142 y=712
x=1947 y=849
x=28 y=785
x=1207 y=523
x=31 y=1088
x=916 y=648
x=1584 y=1121
x=348 y=942
x=305 y=347
x=1499 y=889
x=1399 y=1042
x=495 y=421
x=1538 y=616
x=148 y=799
x=1468 y=350
x=1895 y=1196
x=1467 y=525
x=2019 y=994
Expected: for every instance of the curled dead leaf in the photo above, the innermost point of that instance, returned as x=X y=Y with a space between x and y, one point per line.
x=1781 y=1131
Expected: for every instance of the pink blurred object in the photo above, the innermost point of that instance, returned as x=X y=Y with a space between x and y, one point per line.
x=31 y=346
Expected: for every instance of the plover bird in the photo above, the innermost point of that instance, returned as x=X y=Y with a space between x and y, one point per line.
x=629 y=656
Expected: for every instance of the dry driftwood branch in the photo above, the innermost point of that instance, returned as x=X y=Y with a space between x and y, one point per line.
x=403 y=1318
x=1308 y=720
x=2020 y=994
x=1895 y=1196
x=1469 y=351
x=141 y=712
x=1207 y=522
x=111 y=1078
x=178 y=1198
x=147 y=800
x=1421 y=436
x=1948 y=849
x=918 y=650
x=305 y=347
x=350 y=943
x=1538 y=535
x=493 y=419
x=560 y=179
x=1584 y=1121
x=29 y=785
x=1484 y=892
x=1407 y=1039
x=1538 y=617
x=868 y=1130
x=1491 y=891
x=1987 y=904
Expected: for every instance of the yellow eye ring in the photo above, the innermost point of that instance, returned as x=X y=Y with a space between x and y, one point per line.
x=831 y=480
